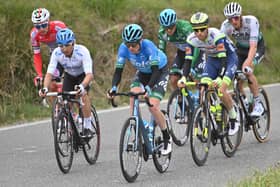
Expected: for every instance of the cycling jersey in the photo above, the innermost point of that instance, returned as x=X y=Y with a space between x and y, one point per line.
x=80 y=62
x=148 y=55
x=183 y=29
x=178 y=39
x=49 y=39
x=217 y=47
x=249 y=31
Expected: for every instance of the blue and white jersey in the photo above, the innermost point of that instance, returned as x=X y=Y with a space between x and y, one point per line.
x=215 y=45
x=249 y=31
x=80 y=61
x=148 y=55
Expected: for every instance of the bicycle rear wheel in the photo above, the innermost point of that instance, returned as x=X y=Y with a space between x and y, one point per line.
x=92 y=145
x=262 y=126
x=230 y=144
x=179 y=119
x=200 y=137
x=161 y=162
x=63 y=143
x=130 y=150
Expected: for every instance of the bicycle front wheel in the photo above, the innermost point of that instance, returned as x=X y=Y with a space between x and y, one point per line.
x=179 y=113
x=92 y=145
x=200 y=137
x=63 y=143
x=130 y=150
x=230 y=143
x=161 y=162
x=262 y=126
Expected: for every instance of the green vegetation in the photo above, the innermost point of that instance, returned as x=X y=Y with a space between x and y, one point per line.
x=261 y=179
x=98 y=24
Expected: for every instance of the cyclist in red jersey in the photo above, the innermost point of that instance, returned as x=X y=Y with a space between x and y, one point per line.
x=44 y=31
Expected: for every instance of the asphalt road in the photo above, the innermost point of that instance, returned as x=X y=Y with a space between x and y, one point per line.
x=27 y=157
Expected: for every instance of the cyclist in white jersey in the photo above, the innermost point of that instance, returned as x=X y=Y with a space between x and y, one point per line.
x=221 y=62
x=78 y=70
x=250 y=46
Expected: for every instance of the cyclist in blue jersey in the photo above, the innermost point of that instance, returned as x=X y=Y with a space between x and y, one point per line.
x=77 y=63
x=245 y=30
x=221 y=62
x=152 y=73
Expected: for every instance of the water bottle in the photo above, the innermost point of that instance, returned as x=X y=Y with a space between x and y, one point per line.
x=245 y=101
x=149 y=134
x=79 y=123
x=196 y=98
x=219 y=113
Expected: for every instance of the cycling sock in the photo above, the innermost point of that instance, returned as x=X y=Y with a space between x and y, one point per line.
x=87 y=123
x=165 y=134
x=257 y=99
x=232 y=113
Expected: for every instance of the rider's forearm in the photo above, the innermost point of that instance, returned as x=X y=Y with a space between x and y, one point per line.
x=155 y=75
x=117 y=76
x=187 y=67
x=88 y=78
x=252 y=52
x=47 y=80
x=38 y=64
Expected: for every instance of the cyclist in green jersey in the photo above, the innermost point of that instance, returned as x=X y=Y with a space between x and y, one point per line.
x=176 y=32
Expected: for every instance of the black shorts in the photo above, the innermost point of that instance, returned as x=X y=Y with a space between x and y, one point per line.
x=70 y=81
x=160 y=87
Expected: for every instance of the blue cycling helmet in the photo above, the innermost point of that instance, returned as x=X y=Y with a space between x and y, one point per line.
x=167 y=17
x=132 y=33
x=65 y=36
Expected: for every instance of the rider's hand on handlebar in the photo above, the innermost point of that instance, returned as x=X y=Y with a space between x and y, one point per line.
x=80 y=88
x=38 y=80
x=148 y=91
x=43 y=92
x=110 y=94
x=217 y=82
x=182 y=82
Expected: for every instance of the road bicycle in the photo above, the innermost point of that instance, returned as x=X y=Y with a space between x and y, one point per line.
x=137 y=141
x=260 y=125
x=68 y=137
x=180 y=107
x=211 y=124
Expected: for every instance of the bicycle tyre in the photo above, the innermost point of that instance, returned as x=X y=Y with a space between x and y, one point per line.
x=200 y=137
x=92 y=146
x=161 y=162
x=262 y=126
x=128 y=146
x=178 y=131
x=55 y=113
x=63 y=138
x=229 y=143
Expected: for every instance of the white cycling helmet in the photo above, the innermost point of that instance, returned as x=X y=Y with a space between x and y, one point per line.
x=232 y=9
x=40 y=15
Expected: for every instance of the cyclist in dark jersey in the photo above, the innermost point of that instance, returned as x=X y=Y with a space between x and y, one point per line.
x=176 y=32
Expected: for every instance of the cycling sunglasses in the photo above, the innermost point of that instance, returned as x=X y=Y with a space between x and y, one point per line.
x=64 y=45
x=169 y=27
x=43 y=25
x=131 y=44
x=200 y=30
x=235 y=18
